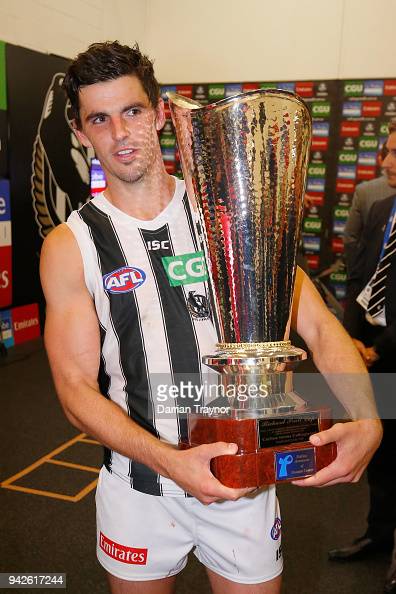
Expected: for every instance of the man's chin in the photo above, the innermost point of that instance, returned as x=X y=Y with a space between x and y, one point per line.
x=129 y=177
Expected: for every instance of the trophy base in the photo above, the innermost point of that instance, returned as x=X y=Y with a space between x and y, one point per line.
x=270 y=450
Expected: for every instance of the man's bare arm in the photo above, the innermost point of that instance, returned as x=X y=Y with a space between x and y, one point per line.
x=72 y=341
x=339 y=361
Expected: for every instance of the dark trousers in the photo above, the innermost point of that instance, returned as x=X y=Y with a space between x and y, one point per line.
x=381 y=472
x=381 y=475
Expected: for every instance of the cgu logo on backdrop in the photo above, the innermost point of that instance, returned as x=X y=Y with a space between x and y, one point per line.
x=185 y=269
x=124 y=280
x=60 y=164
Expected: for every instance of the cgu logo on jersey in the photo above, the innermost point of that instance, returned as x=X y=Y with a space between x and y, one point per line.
x=124 y=280
x=185 y=269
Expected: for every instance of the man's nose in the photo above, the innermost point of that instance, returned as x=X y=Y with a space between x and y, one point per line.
x=119 y=129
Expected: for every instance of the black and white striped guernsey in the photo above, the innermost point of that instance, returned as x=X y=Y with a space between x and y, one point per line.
x=151 y=297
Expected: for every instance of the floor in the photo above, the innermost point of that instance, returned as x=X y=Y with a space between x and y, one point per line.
x=47 y=524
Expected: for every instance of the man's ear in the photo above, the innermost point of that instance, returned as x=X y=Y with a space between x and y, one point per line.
x=80 y=135
x=160 y=115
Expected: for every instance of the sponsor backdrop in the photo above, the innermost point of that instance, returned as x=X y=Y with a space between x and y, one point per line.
x=5 y=245
x=49 y=171
x=3 y=114
x=3 y=143
x=365 y=108
x=5 y=212
x=349 y=128
x=19 y=324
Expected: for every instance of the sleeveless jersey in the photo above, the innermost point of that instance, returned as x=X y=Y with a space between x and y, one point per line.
x=149 y=284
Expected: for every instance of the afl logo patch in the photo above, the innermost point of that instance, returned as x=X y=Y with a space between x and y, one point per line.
x=124 y=280
x=276 y=529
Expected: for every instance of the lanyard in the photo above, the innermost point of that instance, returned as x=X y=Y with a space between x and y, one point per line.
x=388 y=229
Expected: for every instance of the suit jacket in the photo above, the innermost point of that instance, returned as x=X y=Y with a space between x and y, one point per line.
x=365 y=195
x=366 y=264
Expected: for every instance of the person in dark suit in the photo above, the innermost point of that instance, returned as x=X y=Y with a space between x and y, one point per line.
x=370 y=319
x=365 y=195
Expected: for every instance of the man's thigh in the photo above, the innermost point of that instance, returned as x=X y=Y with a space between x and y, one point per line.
x=221 y=585
x=240 y=540
x=163 y=586
x=140 y=537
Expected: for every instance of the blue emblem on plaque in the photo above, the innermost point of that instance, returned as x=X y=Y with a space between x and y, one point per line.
x=294 y=464
x=283 y=464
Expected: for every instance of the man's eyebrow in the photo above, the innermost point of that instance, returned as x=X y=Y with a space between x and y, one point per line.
x=96 y=114
x=138 y=104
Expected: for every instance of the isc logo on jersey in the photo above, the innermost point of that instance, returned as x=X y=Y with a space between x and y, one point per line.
x=124 y=279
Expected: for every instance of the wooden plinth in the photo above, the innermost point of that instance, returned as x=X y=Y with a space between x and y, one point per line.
x=260 y=447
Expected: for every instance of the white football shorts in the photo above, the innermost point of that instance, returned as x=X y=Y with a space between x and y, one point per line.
x=146 y=537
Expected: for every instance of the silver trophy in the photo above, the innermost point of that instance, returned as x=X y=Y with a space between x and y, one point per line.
x=244 y=161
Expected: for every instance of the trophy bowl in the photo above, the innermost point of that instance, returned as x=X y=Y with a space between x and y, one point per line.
x=244 y=161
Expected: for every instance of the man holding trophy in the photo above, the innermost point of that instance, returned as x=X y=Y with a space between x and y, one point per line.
x=137 y=286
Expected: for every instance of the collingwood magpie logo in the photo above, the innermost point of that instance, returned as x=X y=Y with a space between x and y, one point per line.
x=60 y=179
x=198 y=306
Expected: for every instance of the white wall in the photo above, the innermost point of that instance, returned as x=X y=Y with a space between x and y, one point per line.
x=66 y=27
x=255 y=40
x=234 y=40
x=368 y=41
x=219 y=40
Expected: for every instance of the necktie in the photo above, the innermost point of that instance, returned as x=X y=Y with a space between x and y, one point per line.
x=376 y=302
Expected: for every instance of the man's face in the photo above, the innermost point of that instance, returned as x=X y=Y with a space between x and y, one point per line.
x=389 y=163
x=119 y=122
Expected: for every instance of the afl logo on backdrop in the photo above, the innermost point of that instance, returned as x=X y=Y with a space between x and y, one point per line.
x=124 y=279
x=60 y=179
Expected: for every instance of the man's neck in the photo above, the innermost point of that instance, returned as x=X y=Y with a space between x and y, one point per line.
x=144 y=199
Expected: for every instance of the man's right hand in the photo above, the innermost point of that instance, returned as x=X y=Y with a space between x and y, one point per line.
x=190 y=469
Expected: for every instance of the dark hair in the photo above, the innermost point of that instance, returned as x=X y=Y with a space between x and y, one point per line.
x=107 y=61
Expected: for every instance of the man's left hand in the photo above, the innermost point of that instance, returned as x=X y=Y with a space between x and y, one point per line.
x=371 y=356
x=356 y=443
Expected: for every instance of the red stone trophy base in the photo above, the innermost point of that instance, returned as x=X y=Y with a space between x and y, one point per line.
x=257 y=463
